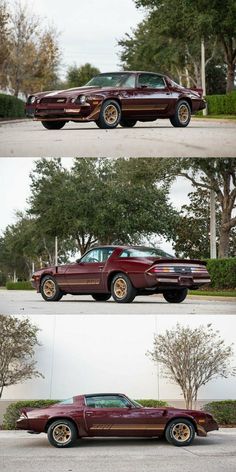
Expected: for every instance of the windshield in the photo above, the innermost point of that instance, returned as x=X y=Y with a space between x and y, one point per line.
x=68 y=401
x=113 y=80
x=145 y=252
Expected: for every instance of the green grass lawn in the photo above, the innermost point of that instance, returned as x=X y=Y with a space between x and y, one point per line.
x=219 y=117
x=214 y=293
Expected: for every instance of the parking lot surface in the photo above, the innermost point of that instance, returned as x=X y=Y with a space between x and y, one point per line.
x=27 y=302
x=202 y=138
x=21 y=452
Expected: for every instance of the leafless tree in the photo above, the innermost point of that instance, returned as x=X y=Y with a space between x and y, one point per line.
x=192 y=357
x=18 y=339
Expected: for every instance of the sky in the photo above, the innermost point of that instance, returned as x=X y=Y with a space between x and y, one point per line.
x=15 y=190
x=89 y=29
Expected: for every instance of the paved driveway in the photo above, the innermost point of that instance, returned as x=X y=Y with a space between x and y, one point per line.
x=15 y=302
x=21 y=452
x=202 y=138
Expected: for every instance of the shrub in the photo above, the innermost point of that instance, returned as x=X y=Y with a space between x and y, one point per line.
x=152 y=403
x=222 y=104
x=11 y=107
x=13 y=410
x=222 y=273
x=19 y=286
x=223 y=411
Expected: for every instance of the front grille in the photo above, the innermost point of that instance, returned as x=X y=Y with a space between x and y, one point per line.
x=49 y=112
x=53 y=100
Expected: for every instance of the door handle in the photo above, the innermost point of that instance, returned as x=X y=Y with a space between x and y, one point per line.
x=100 y=267
x=89 y=413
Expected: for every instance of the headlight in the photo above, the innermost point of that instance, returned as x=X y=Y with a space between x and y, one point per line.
x=82 y=99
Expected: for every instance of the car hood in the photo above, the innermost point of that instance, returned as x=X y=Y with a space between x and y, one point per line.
x=73 y=92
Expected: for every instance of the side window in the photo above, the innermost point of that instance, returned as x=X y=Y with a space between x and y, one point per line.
x=97 y=255
x=151 y=81
x=108 y=401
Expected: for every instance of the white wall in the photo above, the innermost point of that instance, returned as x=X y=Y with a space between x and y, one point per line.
x=89 y=354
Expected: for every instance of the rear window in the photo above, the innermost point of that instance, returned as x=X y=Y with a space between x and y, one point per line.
x=145 y=252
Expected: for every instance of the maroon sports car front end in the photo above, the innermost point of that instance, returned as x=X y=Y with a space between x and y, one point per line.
x=115 y=98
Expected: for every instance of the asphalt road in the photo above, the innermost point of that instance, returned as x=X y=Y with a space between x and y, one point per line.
x=21 y=452
x=15 y=302
x=202 y=138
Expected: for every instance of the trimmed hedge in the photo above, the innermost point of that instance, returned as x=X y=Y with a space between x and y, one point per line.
x=11 y=107
x=222 y=104
x=223 y=411
x=13 y=410
x=222 y=273
x=19 y=286
x=152 y=403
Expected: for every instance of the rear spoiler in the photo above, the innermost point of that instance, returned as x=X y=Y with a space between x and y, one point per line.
x=179 y=261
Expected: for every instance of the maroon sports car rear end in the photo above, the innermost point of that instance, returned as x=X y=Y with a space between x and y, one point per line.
x=122 y=272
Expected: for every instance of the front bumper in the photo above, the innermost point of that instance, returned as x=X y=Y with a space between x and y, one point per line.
x=65 y=112
x=206 y=427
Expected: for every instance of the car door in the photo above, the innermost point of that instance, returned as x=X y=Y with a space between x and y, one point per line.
x=153 y=97
x=87 y=274
x=122 y=420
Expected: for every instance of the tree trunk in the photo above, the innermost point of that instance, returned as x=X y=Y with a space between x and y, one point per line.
x=224 y=243
x=230 y=77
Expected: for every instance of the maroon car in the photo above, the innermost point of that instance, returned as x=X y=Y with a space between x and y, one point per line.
x=122 y=272
x=117 y=98
x=112 y=414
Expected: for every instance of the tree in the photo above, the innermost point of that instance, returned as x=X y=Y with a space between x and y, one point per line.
x=18 y=339
x=218 y=175
x=24 y=244
x=4 y=40
x=192 y=357
x=187 y=22
x=99 y=201
x=33 y=53
x=78 y=76
x=168 y=40
x=192 y=229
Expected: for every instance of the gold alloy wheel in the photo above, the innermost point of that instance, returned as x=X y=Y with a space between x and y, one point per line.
x=49 y=288
x=120 y=288
x=181 y=432
x=183 y=113
x=111 y=114
x=61 y=433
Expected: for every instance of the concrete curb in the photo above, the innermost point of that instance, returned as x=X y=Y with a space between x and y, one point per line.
x=20 y=120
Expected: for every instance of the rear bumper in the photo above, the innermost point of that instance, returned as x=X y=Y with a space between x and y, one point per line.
x=181 y=281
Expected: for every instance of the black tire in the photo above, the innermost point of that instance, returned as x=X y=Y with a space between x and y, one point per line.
x=122 y=289
x=53 y=124
x=175 y=295
x=101 y=297
x=49 y=289
x=180 y=432
x=110 y=115
x=125 y=123
x=182 y=115
x=62 y=433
